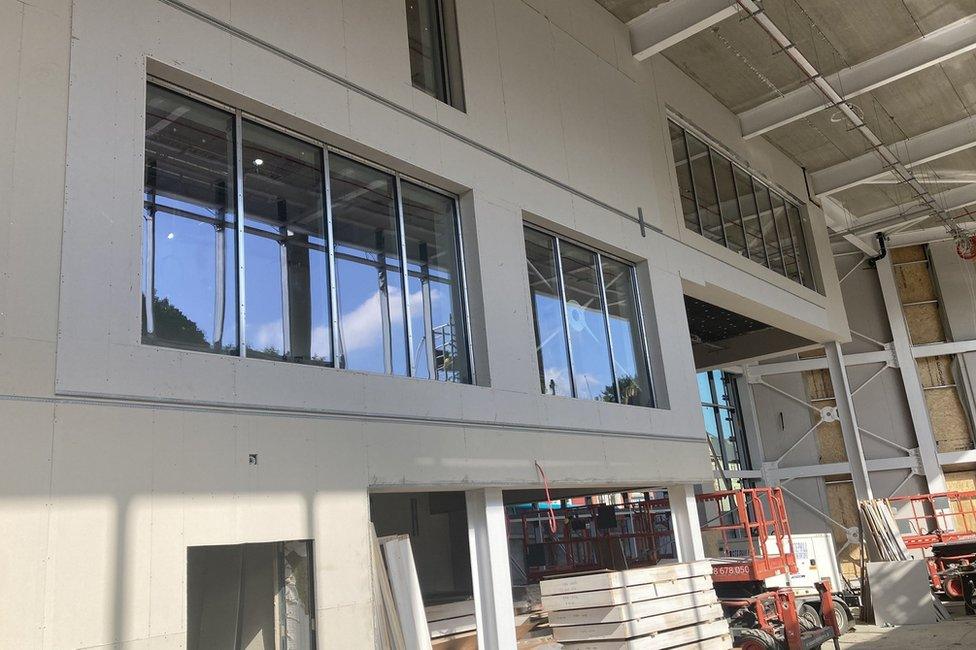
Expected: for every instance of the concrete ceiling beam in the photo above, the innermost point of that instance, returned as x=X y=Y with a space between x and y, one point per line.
x=929 y=50
x=672 y=22
x=919 y=150
x=958 y=197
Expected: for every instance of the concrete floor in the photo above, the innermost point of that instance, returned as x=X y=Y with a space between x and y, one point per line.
x=959 y=633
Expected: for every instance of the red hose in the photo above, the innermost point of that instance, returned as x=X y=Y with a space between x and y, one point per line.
x=545 y=484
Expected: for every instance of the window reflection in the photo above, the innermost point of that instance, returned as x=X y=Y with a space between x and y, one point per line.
x=587 y=327
x=436 y=310
x=286 y=259
x=701 y=172
x=372 y=327
x=633 y=383
x=189 y=237
x=547 y=311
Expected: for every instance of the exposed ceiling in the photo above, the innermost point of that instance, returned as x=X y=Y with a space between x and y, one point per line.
x=738 y=63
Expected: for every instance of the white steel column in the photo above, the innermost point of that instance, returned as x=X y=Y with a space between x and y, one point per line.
x=928 y=450
x=684 y=522
x=848 y=420
x=490 y=575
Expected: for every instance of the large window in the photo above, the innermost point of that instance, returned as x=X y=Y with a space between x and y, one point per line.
x=585 y=308
x=313 y=271
x=435 y=58
x=723 y=424
x=726 y=204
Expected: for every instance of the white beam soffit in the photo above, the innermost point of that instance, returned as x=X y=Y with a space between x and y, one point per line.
x=958 y=197
x=819 y=84
x=672 y=22
x=929 y=50
x=918 y=150
x=836 y=217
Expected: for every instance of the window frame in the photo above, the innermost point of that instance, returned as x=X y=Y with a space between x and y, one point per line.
x=755 y=181
x=240 y=115
x=643 y=353
x=452 y=75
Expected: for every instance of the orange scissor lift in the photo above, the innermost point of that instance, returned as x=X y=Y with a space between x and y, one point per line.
x=943 y=526
x=750 y=530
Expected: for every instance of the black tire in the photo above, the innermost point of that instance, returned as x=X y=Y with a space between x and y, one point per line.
x=809 y=618
x=843 y=616
x=753 y=639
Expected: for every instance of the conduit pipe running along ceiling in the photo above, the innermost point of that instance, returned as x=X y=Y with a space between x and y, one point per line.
x=757 y=13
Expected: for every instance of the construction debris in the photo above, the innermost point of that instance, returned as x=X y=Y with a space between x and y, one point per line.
x=668 y=606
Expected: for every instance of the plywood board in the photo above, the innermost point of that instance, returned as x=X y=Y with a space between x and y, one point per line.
x=842 y=506
x=624 y=595
x=615 y=579
x=815 y=353
x=696 y=636
x=963 y=482
x=936 y=371
x=907 y=254
x=818 y=384
x=900 y=593
x=924 y=323
x=630 y=629
x=914 y=282
x=631 y=611
x=950 y=423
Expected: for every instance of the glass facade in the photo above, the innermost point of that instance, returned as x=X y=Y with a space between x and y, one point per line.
x=585 y=310
x=313 y=272
x=724 y=203
x=720 y=408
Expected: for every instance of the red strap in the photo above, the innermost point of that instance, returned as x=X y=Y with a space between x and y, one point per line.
x=545 y=484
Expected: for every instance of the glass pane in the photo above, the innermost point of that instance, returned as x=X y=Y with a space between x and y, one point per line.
x=729 y=204
x=189 y=238
x=708 y=413
x=785 y=241
x=701 y=172
x=587 y=325
x=768 y=227
x=547 y=314
x=633 y=384
x=285 y=255
x=685 y=188
x=426 y=47
x=750 y=216
x=436 y=307
x=372 y=327
x=704 y=390
x=800 y=241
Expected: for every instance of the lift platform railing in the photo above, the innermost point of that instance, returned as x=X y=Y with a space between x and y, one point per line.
x=750 y=531
x=927 y=519
x=642 y=537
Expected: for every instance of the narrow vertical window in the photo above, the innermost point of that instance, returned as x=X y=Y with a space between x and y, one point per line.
x=785 y=241
x=189 y=270
x=800 y=242
x=768 y=225
x=588 y=339
x=630 y=369
x=686 y=189
x=701 y=173
x=728 y=205
x=285 y=248
x=369 y=278
x=548 y=315
x=750 y=216
x=435 y=291
x=435 y=61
